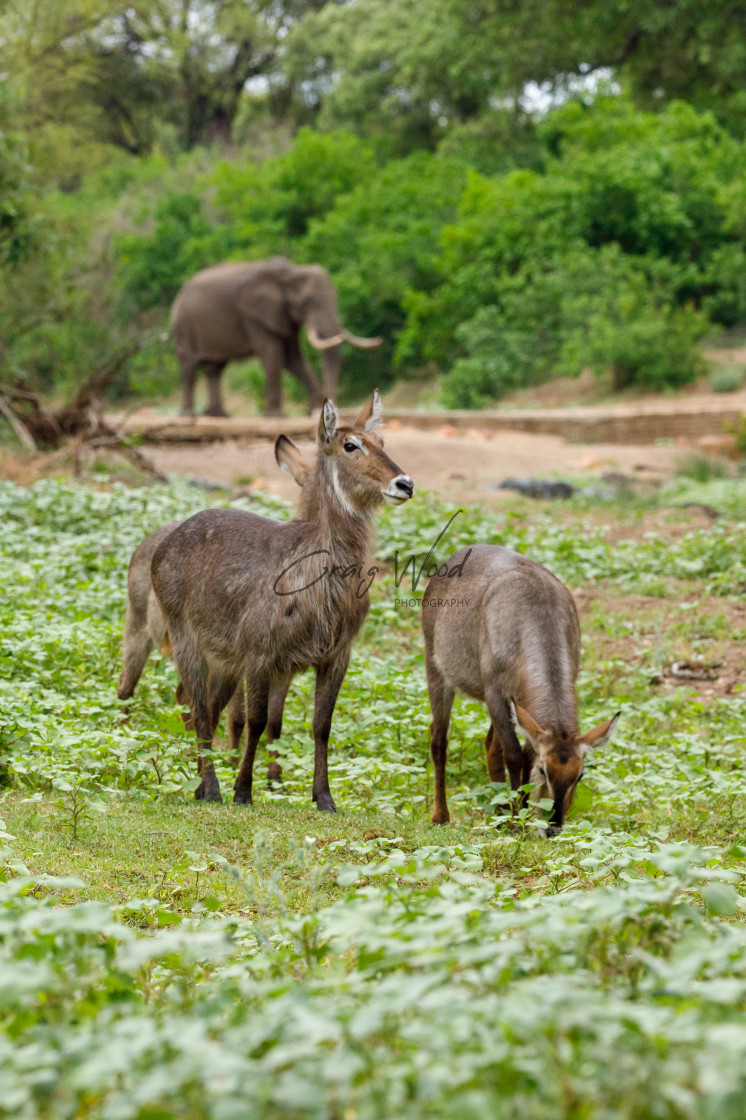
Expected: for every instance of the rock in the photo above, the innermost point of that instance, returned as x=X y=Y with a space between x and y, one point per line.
x=602 y=493
x=536 y=487
x=708 y=511
x=205 y=483
x=478 y=434
x=449 y=431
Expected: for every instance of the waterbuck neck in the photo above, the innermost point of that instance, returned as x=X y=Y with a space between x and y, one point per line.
x=333 y=522
x=550 y=695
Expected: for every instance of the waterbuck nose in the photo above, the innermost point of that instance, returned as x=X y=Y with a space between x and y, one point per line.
x=404 y=483
x=553 y=830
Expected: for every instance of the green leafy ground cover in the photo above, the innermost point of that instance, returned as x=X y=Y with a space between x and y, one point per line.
x=162 y=958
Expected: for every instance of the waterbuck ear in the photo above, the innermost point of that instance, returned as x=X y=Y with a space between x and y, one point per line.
x=370 y=417
x=525 y=722
x=289 y=459
x=598 y=735
x=327 y=423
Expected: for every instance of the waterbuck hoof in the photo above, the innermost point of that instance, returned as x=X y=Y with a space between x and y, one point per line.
x=441 y=818
x=208 y=793
x=325 y=803
x=242 y=798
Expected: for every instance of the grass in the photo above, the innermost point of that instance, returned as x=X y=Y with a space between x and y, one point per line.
x=166 y=958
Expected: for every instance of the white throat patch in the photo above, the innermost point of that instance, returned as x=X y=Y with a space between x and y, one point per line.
x=339 y=493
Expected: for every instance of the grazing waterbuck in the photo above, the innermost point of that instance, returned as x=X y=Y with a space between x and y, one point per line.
x=245 y=597
x=145 y=629
x=508 y=634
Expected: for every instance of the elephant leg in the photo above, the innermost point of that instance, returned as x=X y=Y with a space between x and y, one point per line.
x=297 y=364
x=272 y=356
x=188 y=376
x=214 y=371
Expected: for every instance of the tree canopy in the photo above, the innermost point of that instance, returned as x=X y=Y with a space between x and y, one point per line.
x=501 y=189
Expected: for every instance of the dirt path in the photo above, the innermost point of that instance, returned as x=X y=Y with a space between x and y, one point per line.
x=456 y=466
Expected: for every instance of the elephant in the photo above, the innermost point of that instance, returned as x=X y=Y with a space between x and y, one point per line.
x=256 y=309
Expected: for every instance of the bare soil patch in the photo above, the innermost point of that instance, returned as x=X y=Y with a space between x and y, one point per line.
x=458 y=466
x=644 y=632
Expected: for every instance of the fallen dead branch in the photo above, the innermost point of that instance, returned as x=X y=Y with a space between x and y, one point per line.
x=17 y=425
x=82 y=420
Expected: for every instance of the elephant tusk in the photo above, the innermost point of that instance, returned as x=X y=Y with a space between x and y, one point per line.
x=362 y=343
x=323 y=343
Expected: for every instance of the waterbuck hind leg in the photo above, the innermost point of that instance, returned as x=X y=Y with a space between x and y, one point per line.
x=209 y=787
x=206 y=717
x=136 y=648
x=257 y=698
x=208 y=698
x=328 y=683
x=236 y=723
x=441 y=703
x=277 y=696
x=183 y=701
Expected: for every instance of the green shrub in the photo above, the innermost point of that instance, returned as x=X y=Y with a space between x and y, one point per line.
x=582 y=309
x=16 y=225
x=267 y=206
x=153 y=267
x=727 y=379
x=378 y=241
x=613 y=257
x=701 y=468
x=641 y=340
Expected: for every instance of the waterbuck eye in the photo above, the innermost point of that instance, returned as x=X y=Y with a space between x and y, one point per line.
x=350 y=446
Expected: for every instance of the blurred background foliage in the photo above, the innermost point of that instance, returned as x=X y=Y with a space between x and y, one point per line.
x=504 y=191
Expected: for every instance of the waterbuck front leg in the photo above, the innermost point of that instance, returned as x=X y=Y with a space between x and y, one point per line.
x=257 y=699
x=277 y=696
x=329 y=679
x=494 y=751
x=517 y=760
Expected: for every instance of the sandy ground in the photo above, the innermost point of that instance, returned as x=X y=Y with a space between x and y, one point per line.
x=458 y=467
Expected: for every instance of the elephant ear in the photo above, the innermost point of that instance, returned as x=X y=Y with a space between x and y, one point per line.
x=262 y=299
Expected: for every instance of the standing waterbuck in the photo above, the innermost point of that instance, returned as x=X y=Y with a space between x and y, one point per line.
x=509 y=635
x=145 y=629
x=247 y=598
